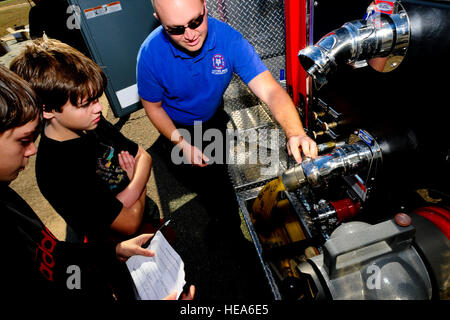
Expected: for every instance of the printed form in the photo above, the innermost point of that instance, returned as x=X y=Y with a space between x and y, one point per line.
x=158 y=276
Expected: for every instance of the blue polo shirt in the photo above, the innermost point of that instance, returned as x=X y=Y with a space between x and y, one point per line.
x=191 y=88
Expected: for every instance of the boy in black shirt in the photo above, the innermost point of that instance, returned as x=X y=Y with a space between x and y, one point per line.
x=92 y=175
x=35 y=262
x=35 y=265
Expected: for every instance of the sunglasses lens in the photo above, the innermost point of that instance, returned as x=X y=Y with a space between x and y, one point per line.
x=176 y=31
x=196 y=23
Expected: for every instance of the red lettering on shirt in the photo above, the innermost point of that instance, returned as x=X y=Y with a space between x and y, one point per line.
x=44 y=254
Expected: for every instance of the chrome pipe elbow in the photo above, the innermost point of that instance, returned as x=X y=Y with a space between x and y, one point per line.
x=358 y=43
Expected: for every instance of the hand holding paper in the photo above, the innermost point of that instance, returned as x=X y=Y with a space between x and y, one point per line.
x=158 y=276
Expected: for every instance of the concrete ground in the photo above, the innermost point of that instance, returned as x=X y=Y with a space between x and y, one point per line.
x=223 y=273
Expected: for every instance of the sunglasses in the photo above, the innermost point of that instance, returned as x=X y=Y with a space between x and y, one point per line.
x=194 y=24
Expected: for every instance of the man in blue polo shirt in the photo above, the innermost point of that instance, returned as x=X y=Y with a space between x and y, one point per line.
x=183 y=70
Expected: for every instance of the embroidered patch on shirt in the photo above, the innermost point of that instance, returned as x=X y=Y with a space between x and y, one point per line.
x=218 y=62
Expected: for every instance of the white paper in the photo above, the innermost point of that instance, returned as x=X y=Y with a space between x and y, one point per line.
x=158 y=276
x=128 y=96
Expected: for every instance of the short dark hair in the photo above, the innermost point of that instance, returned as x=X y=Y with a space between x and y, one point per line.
x=18 y=102
x=58 y=73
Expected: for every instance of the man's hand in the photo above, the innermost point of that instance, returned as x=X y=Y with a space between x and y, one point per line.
x=127 y=162
x=193 y=155
x=184 y=296
x=128 y=248
x=304 y=143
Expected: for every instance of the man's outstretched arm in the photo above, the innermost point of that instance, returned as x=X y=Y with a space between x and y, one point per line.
x=285 y=113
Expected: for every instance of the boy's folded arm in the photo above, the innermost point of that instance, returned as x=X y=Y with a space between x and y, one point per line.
x=142 y=170
x=129 y=219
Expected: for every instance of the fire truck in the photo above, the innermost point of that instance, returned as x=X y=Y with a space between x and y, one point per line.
x=369 y=218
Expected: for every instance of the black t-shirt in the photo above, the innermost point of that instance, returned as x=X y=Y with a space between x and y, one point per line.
x=81 y=177
x=35 y=265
